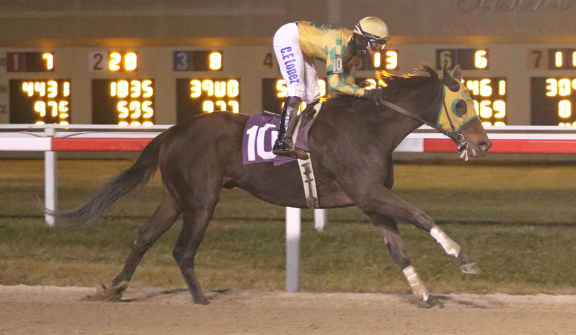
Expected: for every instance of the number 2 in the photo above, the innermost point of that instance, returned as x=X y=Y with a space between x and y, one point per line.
x=97 y=61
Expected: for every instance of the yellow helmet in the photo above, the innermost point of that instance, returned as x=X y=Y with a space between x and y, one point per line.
x=373 y=28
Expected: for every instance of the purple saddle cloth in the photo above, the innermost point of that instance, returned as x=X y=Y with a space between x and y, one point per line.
x=260 y=134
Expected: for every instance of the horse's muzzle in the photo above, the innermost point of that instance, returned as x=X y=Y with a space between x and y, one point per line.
x=476 y=142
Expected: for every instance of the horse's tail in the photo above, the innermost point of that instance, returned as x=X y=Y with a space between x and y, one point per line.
x=134 y=177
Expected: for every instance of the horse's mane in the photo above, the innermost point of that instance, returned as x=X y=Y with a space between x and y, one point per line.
x=423 y=74
x=391 y=83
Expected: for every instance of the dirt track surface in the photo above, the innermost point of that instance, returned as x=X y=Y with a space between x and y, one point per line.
x=61 y=310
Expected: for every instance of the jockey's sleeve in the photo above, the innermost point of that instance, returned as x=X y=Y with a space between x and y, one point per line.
x=327 y=43
x=344 y=83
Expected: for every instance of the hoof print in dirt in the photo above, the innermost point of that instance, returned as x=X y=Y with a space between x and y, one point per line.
x=471 y=268
x=433 y=301
x=108 y=294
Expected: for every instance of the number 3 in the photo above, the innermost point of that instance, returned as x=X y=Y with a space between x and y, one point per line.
x=182 y=61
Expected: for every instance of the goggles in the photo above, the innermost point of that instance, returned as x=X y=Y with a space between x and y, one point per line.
x=378 y=44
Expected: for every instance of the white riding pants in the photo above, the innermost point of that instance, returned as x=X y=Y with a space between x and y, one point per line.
x=297 y=69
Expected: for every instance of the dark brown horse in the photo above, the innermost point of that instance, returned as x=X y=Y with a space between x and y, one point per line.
x=351 y=146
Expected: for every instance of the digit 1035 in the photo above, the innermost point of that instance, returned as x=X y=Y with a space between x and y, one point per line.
x=134 y=108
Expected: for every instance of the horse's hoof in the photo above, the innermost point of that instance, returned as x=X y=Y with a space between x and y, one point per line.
x=109 y=294
x=201 y=301
x=432 y=301
x=471 y=268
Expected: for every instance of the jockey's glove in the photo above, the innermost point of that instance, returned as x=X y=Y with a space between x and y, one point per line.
x=374 y=95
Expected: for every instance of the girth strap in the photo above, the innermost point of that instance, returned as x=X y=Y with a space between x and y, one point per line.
x=307 y=172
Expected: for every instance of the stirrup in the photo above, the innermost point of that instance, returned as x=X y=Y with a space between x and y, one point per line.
x=281 y=146
x=287 y=148
x=294 y=153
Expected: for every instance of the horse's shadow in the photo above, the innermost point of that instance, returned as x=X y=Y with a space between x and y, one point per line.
x=443 y=299
x=143 y=295
x=122 y=295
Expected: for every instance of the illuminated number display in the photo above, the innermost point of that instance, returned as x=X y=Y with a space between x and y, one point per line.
x=42 y=101
x=29 y=61
x=197 y=61
x=552 y=59
x=383 y=60
x=274 y=93
x=123 y=102
x=197 y=96
x=489 y=95
x=553 y=101
x=468 y=59
x=561 y=59
x=114 y=61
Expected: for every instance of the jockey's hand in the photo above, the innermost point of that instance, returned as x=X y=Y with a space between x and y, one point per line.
x=374 y=95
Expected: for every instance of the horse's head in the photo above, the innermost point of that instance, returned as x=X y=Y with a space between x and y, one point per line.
x=459 y=117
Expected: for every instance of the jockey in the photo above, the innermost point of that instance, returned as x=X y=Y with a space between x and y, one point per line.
x=298 y=44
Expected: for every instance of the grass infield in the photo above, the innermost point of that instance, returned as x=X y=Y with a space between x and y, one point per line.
x=518 y=222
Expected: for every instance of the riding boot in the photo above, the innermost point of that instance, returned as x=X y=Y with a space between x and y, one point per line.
x=284 y=145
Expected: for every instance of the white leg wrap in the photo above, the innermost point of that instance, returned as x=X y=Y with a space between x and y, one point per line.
x=416 y=283
x=451 y=247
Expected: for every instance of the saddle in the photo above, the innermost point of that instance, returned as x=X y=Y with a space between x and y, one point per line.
x=260 y=134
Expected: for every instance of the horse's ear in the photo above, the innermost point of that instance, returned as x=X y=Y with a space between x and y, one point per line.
x=457 y=73
x=450 y=82
x=445 y=73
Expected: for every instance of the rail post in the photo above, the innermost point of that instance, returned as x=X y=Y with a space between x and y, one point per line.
x=320 y=219
x=293 y=225
x=50 y=188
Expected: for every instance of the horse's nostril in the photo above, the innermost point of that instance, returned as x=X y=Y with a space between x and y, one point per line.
x=485 y=145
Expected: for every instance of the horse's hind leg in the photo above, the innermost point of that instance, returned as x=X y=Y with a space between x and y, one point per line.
x=388 y=230
x=197 y=216
x=162 y=219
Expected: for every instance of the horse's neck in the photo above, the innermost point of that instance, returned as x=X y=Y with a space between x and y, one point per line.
x=424 y=108
x=400 y=126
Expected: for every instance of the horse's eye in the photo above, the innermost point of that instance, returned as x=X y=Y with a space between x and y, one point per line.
x=461 y=107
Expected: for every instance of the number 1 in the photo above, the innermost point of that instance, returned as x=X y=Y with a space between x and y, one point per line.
x=16 y=64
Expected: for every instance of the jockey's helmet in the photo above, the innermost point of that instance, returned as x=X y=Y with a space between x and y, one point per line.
x=374 y=32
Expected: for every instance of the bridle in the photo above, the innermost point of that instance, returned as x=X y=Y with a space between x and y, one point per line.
x=455 y=135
